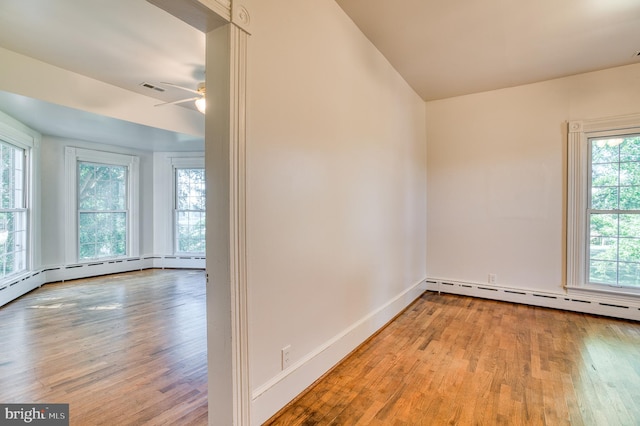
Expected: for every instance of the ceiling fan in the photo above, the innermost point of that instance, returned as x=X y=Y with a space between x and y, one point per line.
x=199 y=100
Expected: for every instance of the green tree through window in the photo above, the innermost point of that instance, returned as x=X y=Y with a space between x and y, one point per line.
x=102 y=211
x=614 y=211
x=190 y=210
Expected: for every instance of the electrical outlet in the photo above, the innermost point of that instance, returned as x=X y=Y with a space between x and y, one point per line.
x=286 y=357
x=493 y=278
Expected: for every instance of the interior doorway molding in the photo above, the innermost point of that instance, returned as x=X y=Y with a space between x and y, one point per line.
x=226 y=25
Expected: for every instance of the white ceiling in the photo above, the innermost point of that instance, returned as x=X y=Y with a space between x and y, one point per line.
x=446 y=48
x=69 y=123
x=442 y=48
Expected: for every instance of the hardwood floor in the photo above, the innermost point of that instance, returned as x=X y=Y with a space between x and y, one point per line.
x=130 y=349
x=125 y=349
x=462 y=361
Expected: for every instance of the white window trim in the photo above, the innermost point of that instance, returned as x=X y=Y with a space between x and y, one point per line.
x=72 y=156
x=163 y=204
x=180 y=163
x=16 y=133
x=579 y=133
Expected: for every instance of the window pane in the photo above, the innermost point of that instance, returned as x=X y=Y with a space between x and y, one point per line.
x=605 y=174
x=603 y=225
x=604 y=151
x=604 y=248
x=630 y=198
x=629 y=249
x=629 y=173
x=630 y=149
x=13 y=242
x=86 y=187
x=629 y=274
x=603 y=272
x=101 y=187
x=629 y=225
x=12 y=173
x=102 y=235
x=190 y=232
x=604 y=198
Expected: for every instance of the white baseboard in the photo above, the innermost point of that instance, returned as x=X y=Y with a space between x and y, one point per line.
x=180 y=262
x=32 y=280
x=269 y=398
x=20 y=285
x=93 y=269
x=624 y=307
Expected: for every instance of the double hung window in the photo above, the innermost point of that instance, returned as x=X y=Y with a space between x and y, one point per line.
x=13 y=210
x=613 y=210
x=102 y=205
x=190 y=210
x=603 y=205
x=102 y=210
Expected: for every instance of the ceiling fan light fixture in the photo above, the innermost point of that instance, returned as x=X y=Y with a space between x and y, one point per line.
x=201 y=104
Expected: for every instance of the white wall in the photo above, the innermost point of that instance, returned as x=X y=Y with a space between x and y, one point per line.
x=336 y=190
x=496 y=164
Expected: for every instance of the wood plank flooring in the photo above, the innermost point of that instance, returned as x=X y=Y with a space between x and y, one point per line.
x=125 y=349
x=453 y=360
x=130 y=349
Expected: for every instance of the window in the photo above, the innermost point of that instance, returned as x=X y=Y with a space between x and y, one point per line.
x=614 y=210
x=13 y=210
x=603 y=244
x=189 y=210
x=102 y=205
x=102 y=211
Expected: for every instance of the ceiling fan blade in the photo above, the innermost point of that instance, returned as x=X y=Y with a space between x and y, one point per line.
x=179 y=102
x=179 y=87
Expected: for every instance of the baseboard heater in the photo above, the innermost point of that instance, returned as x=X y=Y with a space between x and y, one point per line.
x=588 y=305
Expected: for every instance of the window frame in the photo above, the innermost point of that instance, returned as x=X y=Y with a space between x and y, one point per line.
x=182 y=163
x=591 y=211
x=15 y=133
x=124 y=210
x=75 y=155
x=578 y=197
x=25 y=196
